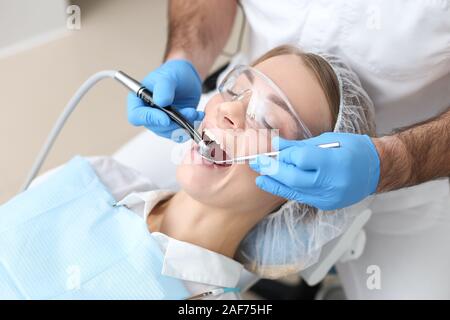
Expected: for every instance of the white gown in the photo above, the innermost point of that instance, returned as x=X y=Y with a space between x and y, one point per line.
x=401 y=51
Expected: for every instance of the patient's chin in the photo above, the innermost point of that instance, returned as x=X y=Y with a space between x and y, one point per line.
x=234 y=189
x=209 y=185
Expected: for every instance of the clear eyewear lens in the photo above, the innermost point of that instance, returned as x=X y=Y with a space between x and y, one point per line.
x=264 y=101
x=268 y=113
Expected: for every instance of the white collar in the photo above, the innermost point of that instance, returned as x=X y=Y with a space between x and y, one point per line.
x=184 y=260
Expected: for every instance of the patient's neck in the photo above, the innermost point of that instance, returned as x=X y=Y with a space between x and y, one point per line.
x=183 y=218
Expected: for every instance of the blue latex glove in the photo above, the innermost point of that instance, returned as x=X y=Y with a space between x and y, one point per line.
x=327 y=179
x=175 y=83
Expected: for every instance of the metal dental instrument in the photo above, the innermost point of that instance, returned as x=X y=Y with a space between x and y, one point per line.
x=147 y=96
x=270 y=154
x=131 y=84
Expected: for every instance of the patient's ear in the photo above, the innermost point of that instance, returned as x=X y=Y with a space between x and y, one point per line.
x=278 y=207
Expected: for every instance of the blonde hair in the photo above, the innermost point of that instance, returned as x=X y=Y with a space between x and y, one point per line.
x=321 y=69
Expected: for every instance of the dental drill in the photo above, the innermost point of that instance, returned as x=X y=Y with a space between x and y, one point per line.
x=145 y=94
x=132 y=85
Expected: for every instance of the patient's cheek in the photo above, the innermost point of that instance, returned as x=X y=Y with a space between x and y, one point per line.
x=212 y=103
x=254 y=141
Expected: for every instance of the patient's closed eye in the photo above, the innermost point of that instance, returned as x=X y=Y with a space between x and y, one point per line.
x=232 y=94
x=266 y=124
x=239 y=95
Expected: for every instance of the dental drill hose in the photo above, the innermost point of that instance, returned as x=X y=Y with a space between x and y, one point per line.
x=129 y=83
x=70 y=107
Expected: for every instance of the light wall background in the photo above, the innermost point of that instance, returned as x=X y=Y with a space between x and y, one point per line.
x=37 y=81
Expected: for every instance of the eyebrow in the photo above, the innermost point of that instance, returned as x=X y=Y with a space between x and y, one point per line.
x=249 y=76
x=283 y=105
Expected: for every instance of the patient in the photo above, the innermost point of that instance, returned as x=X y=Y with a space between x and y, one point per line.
x=201 y=227
x=218 y=205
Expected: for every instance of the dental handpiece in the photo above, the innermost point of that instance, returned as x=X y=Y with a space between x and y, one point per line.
x=146 y=95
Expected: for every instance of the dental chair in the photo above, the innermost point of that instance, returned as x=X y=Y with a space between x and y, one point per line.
x=140 y=153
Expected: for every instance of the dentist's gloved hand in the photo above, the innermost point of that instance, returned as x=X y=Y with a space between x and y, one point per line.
x=327 y=179
x=176 y=83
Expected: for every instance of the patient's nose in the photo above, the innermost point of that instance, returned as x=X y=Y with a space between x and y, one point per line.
x=231 y=115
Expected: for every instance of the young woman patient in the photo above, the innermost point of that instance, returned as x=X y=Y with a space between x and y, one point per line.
x=201 y=227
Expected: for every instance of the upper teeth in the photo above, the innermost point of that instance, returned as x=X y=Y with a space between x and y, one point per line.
x=210 y=135
x=213 y=137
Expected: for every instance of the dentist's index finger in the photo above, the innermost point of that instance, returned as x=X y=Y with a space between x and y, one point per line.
x=285 y=173
x=190 y=114
x=140 y=114
x=164 y=92
x=305 y=157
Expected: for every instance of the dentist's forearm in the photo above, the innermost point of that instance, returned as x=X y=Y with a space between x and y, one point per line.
x=415 y=154
x=198 y=30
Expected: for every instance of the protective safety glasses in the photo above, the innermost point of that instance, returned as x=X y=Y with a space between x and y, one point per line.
x=266 y=106
x=267 y=112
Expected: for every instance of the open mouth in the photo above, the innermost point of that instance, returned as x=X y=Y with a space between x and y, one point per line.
x=216 y=148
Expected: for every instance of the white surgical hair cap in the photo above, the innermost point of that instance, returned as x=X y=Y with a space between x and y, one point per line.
x=290 y=239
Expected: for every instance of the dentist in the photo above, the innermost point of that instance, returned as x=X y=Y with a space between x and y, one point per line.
x=401 y=52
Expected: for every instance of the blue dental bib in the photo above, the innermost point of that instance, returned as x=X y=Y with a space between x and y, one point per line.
x=66 y=239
